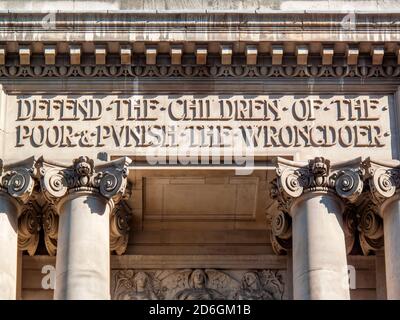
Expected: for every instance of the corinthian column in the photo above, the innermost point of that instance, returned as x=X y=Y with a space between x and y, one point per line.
x=384 y=185
x=16 y=186
x=84 y=197
x=314 y=196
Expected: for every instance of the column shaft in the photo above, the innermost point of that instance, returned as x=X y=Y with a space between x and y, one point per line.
x=83 y=253
x=319 y=251
x=8 y=248
x=391 y=225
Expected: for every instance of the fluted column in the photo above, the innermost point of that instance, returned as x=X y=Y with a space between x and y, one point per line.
x=314 y=196
x=84 y=197
x=16 y=186
x=384 y=185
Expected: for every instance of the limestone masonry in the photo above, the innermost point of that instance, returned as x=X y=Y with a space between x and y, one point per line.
x=206 y=150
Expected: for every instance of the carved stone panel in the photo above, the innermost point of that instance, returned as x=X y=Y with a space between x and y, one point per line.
x=222 y=198
x=161 y=126
x=197 y=284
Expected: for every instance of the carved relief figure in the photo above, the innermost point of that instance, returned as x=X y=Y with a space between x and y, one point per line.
x=135 y=287
x=253 y=288
x=273 y=284
x=141 y=288
x=250 y=287
x=198 y=288
x=198 y=284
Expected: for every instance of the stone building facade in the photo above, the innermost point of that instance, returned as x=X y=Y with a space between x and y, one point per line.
x=199 y=149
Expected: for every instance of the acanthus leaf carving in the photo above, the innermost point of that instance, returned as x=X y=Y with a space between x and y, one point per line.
x=119 y=228
x=370 y=227
x=350 y=228
x=50 y=221
x=29 y=225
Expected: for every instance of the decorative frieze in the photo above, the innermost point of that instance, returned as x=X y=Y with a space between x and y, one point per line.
x=197 y=71
x=198 y=284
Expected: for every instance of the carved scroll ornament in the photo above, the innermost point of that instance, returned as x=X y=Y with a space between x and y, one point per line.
x=383 y=179
x=293 y=180
x=109 y=180
x=344 y=180
x=17 y=181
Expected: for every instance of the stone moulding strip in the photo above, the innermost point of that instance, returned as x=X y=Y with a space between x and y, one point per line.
x=270 y=261
x=120 y=85
x=129 y=18
x=189 y=71
x=198 y=261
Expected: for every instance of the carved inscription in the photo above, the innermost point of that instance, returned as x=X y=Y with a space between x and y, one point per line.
x=121 y=123
x=160 y=127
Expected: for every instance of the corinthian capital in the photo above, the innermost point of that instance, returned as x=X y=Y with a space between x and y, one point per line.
x=296 y=178
x=383 y=179
x=109 y=180
x=17 y=180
